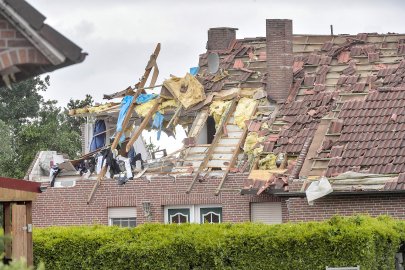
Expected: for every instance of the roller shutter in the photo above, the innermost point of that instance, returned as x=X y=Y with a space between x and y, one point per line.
x=266 y=212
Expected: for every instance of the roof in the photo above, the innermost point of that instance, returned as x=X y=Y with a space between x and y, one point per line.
x=32 y=46
x=353 y=84
x=18 y=190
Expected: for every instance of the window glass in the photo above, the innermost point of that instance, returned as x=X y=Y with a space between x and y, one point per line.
x=211 y=215
x=179 y=215
x=123 y=222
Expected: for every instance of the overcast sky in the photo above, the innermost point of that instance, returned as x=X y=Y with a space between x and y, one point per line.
x=120 y=35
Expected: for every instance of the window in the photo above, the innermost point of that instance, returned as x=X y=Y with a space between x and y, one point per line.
x=122 y=216
x=193 y=214
x=211 y=215
x=181 y=215
x=123 y=222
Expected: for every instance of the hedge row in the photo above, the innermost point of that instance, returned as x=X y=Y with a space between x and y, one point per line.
x=368 y=242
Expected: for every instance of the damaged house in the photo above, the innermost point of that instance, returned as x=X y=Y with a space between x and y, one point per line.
x=280 y=128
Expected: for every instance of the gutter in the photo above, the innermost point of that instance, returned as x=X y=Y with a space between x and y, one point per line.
x=50 y=52
x=301 y=194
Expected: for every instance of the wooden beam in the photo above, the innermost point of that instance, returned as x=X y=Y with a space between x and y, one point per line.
x=217 y=137
x=141 y=84
x=30 y=255
x=235 y=155
x=144 y=123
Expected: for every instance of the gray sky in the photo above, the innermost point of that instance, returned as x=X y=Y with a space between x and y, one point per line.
x=120 y=35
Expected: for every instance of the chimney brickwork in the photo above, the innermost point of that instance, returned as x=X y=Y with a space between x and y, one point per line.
x=220 y=38
x=279 y=58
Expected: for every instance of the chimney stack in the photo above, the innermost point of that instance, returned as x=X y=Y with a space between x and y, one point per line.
x=220 y=38
x=279 y=58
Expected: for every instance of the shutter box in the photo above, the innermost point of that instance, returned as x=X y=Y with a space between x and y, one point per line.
x=122 y=212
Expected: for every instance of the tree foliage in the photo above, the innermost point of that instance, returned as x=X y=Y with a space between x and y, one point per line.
x=29 y=124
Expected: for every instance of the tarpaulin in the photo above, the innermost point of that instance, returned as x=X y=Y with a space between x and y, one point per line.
x=194 y=70
x=318 y=189
x=125 y=103
x=98 y=141
x=188 y=90
x=157 y=123
x=244 y=111
x=143 y=98
x=217 y=109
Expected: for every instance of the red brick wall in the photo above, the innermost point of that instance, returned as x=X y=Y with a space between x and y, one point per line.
x=220 y=38
x=68 y=206
x=16 y=49
x=324 y=208
x=279 y=58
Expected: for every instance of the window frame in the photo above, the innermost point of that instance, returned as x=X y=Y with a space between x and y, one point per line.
x=195 y=211
x=122 y=216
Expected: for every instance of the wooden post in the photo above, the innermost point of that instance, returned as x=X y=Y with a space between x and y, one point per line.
x=30 y=259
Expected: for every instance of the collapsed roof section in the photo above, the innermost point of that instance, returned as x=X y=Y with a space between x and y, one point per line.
x=299 y=106
x=30 y=47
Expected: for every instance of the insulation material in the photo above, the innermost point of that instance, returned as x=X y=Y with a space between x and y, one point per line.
x=226 y=94
x=143 y=109
x=250 y=144
x=268 y=162
x=217 y=109
x=188 y=90
x=244 y=110
x=167 y=105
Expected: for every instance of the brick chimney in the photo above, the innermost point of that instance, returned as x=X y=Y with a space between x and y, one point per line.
x=220 y=38
x=279 y=58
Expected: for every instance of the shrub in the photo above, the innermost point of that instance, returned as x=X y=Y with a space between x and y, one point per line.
x=368 y=242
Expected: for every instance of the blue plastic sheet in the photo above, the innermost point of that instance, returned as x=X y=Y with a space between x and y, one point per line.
x=143 y=98
x=194 y=70
x=125 y=103
x=157 y=123
x=98 y=141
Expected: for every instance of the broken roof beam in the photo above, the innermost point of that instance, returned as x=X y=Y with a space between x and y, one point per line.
x=139 y=85
x=128 y=91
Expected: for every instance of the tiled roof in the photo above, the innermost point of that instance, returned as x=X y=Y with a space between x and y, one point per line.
x=372 y=137
x=356 y=83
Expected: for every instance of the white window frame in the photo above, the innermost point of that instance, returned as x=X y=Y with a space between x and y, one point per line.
x=195 y=211
x=110 y=217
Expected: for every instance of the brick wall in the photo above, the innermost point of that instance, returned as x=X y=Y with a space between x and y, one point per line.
x=68 y=206
x=220 y=38
x=279 y=58
x=16 y=49
x=324 y=208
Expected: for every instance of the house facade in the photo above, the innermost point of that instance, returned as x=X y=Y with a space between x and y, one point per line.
x=281 y=118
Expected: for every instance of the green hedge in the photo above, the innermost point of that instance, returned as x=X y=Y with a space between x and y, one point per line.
x=369 y=242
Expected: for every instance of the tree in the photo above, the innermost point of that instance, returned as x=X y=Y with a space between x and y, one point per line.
x=76 y=122
x=29 y=124
x=21 y=103
x=49 y=131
